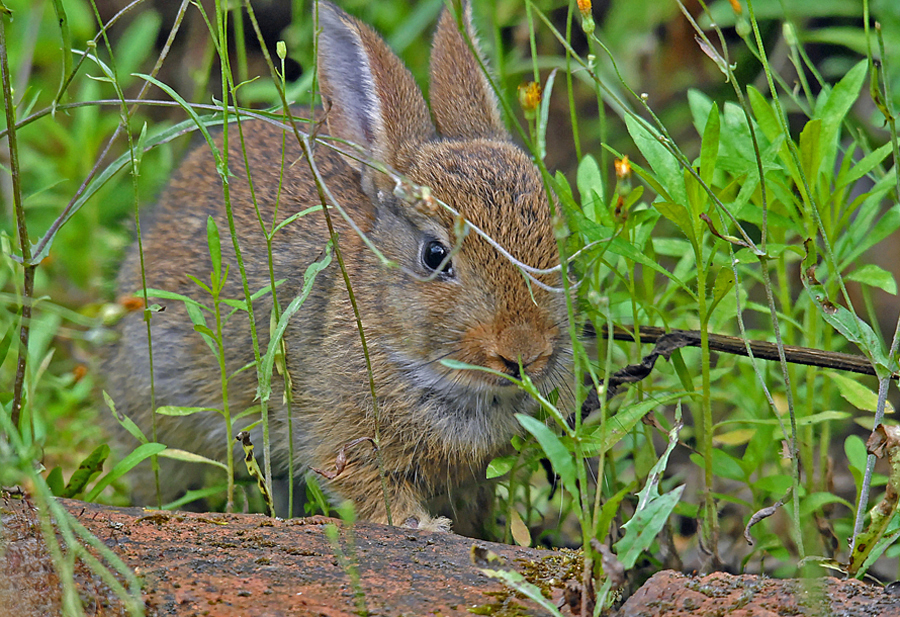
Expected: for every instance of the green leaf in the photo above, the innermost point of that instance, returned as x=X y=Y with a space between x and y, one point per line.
x=126 y=422
x=190 y=496
x=857 y=394
x=709 y=147
x=590 y=185
x=135 y=44
x=645 y=525
x=864 y=166
x=594 y=441
x=872 y=275
x=6 y=342
x=87 y=470
x=532 y=592
x=811 y=151
x=810 y=503
x=625 y=249
x=198 y=121
x=100 y=180
x=560 y=457
x=544 y=116
x=264 y=389
x=849 y=325
x=142 y=452
x=679 y=215
x=652 y=509
x=215 y=253
x=500 y=466
x=856 y=453
x=664 y=164
x=765 y=115
x=190 y=457
x=723 y=285
x=55 y=481
x=838 y=104
x=174 y=410
x=774 y=484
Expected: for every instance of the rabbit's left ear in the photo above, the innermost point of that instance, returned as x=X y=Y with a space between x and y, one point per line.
x=462 y=100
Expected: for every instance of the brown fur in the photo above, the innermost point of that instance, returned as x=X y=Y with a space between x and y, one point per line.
x=439 y=427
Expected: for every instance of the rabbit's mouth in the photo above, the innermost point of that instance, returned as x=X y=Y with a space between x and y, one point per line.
x=486 y=380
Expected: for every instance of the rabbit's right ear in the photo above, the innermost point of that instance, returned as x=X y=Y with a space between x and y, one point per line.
x=374 y=100
x=461 y=95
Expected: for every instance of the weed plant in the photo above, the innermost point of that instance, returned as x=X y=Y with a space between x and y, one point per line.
x=728 y=170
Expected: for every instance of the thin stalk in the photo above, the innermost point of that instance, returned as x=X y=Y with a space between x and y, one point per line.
x=886 y=107
x=22 y=228
x=705 y=438
x=124 y=125
x=333 y=236
x=573 y=112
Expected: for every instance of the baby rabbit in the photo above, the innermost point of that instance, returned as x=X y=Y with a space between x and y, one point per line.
x=438 y=426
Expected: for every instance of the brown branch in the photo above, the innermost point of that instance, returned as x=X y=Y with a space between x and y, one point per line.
x=667 y=342
x=761 y=349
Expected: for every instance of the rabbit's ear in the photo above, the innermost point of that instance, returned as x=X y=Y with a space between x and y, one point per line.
x=462 y=99
x=374 y=100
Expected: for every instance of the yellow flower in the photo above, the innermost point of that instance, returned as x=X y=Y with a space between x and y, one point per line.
x=530 y=96
x=623 y=168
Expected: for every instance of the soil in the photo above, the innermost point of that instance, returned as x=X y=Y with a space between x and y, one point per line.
x=245 y=564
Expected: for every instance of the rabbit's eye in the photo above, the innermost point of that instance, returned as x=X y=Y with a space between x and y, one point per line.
x=433 y=255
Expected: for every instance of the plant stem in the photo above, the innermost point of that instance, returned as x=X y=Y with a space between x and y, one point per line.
x=24 y=243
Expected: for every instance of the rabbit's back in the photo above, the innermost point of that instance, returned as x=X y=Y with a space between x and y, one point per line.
x=174 y=237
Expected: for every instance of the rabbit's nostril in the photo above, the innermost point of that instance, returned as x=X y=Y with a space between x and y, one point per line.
x=512 y=367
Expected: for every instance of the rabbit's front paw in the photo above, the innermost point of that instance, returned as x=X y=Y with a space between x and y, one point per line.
x=428 y=523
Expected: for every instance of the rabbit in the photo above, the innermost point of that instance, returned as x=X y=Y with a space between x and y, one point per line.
x=451 y=296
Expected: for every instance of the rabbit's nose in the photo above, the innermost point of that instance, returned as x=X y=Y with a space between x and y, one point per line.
x=523 y=346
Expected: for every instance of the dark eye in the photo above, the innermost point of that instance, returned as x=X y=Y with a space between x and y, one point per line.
x=433 y=255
